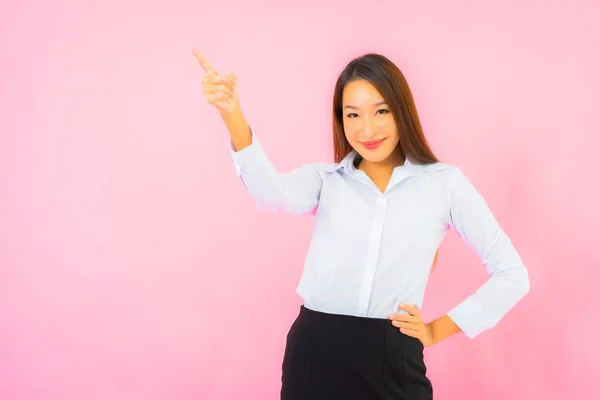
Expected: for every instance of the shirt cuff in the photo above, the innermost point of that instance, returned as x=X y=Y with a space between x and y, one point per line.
x=251 y=155
x=468 y=317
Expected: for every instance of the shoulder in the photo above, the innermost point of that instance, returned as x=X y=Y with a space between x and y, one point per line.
x=316 y=169
x=439 y=170
x=449 y=176
x=322 y=168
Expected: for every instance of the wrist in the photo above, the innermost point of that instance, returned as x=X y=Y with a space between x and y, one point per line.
x=232 y=116
x=431 y=334
x=442 y=328
x=238 y=128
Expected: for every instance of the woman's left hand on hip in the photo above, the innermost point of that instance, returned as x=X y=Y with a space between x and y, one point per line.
x=412 y=324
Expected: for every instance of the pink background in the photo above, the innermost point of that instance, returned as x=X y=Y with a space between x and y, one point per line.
x=133 y=265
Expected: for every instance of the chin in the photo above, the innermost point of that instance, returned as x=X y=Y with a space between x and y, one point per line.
x=375 y=156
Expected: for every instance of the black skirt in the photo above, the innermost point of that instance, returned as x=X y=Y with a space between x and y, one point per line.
x=343 y=357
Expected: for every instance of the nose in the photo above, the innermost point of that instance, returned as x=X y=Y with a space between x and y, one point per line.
x=369 y=127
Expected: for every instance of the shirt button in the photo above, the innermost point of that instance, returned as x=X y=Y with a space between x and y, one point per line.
x=382 y=201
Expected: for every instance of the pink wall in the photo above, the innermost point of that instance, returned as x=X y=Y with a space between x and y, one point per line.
x=119 y=278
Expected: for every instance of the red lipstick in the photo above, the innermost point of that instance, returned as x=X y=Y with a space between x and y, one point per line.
x=372 y=144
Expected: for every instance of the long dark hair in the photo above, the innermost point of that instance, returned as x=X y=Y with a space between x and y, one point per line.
x=391 y=83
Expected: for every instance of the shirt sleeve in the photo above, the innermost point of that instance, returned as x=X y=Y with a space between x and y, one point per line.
x=292 y=193
x=508 y=279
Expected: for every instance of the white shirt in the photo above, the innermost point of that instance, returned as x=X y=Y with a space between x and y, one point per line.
x=371 y=251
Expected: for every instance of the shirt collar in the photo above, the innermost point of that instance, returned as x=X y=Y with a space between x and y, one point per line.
x=347 y=165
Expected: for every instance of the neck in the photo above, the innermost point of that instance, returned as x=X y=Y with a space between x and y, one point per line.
x=385 y=167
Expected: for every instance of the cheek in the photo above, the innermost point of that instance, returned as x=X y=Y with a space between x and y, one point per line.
x=389 y=127
x=351 y=131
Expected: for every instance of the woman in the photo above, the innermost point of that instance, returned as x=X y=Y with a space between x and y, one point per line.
x=381 y=211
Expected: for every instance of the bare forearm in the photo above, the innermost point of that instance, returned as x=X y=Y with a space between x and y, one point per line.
x=238 y=128
x=442 y=328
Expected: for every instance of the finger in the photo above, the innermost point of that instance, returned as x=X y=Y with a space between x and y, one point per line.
x=232 y=79
x=409 y=308
x=218 y=88
x=213 y=98
x=215 y=79
x=408 y=325
x=203 y=61
x=411 y=333
x=403 y=317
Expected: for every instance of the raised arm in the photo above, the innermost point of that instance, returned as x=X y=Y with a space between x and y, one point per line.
x=293 y=193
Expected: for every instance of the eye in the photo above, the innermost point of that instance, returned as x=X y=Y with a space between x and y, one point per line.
x=352 y=115
x=383 y=111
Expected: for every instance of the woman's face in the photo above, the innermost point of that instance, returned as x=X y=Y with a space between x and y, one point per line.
x=369 y=125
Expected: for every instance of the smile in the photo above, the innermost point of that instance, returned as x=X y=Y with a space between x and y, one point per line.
x=373 y=144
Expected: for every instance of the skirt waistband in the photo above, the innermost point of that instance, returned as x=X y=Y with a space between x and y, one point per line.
x=341 y=318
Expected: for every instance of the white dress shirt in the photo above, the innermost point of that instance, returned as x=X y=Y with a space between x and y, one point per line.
x=371 y=251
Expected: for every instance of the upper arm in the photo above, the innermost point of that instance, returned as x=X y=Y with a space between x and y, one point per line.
x=473 y=220
x=294 y=193
x=470 y=215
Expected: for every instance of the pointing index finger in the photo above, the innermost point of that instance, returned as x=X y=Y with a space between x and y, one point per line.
x=203 y=61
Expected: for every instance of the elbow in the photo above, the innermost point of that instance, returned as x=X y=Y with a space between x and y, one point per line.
x=526 y=284
x=519 y=278
x=281 y=200
x=271 y=198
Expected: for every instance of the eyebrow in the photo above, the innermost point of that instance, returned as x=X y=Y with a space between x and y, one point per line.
x=374 y=105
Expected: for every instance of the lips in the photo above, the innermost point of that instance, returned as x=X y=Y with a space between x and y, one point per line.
x=372 y=144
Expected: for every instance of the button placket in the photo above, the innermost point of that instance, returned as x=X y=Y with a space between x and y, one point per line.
x=372 y=255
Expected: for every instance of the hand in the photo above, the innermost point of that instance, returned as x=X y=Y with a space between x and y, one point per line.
x=412 y=324
x=219 y=90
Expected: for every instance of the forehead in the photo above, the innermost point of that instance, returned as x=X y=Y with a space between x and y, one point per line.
x=360 y=92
